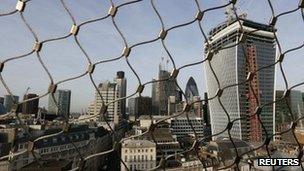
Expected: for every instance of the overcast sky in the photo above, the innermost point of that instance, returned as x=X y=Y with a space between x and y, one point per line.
x=138 y=22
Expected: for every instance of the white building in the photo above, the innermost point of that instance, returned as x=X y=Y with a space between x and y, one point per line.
x=109 y=93
x=138 y=155
x=180 y=126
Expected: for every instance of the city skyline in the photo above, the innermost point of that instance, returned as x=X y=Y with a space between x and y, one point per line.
x=62 y=62
x=151 y=85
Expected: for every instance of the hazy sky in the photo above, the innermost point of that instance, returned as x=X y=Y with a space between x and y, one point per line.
x=138 y=22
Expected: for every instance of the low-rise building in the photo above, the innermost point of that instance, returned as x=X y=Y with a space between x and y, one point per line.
x=138 y=155
x=63 y=146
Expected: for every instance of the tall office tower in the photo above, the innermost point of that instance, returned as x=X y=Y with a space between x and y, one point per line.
x=294 y=101
x=192 y=95
x=30 y=107
x=121 y=84
x=9 y=101
x=206 y=113
x=63 y=99
x=109 y=93
x=140 y=106
x=161 y=92
x=231 y=66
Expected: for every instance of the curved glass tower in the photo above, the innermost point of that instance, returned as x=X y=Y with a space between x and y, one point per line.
x=231 y=66
x=191 y=89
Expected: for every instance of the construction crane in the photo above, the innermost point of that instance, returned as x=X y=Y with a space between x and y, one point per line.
x=26 y=91
x=230 y=11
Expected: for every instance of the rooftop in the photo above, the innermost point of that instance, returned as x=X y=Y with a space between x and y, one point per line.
x=245 y=22
x=137 y=143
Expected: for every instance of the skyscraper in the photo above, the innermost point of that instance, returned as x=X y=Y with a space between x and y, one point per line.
x=192 y=95
x=140 y=106
x=231 y=66
x=109 y=93
x=9 y=101
x=191 y=89
x=121 y=84
x=161 y=91
x=30 y=107
x=63 y=99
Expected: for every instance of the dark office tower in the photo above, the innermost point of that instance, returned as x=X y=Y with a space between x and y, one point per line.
x=232 y=65
x=140 y=106
x=161 y=92
x=9 y=101
x=1 y=100
x=121 y=88
x=206 y=113
x=30 y=107
x=63 y=99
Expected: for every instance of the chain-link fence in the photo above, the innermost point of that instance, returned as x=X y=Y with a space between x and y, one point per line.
x=207 y=56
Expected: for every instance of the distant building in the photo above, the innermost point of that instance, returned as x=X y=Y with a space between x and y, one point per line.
x=30 y=107
x=9 y=101
x=206 y=113
x=174 y=105
x=221 y=152
x=109 y=93
x=1 y=100
x=181 y=128
x=59 y=147
x=138 y=155
x=140 y=106
x=49 y=165
x=192 y=95
x=232 y=66
x=63 y=99
x=121 y=84
x=167 y=143
x=2 y=109
x=161 y=91
x=191 y=89
x=294 y=101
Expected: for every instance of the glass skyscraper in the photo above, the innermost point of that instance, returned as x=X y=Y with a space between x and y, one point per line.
x=231 y=66
x=63 y=99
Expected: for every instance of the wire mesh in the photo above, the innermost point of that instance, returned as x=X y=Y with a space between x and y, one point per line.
x=114 y=10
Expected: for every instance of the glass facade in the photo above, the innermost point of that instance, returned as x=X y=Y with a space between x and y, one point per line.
x=229 y=66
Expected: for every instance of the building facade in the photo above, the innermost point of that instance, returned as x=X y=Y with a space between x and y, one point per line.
x=181 y=128
x=31 y=106
x=9 y=101
x=87 y=140
x=109 y=93
x=231 y=66
x=121 y=84
x=1 y=100
x=161 y=91
x=140 y=106
x=138 y=155
x=63 y=100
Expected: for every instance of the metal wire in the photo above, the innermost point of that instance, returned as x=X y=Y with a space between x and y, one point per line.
x=164 y=33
